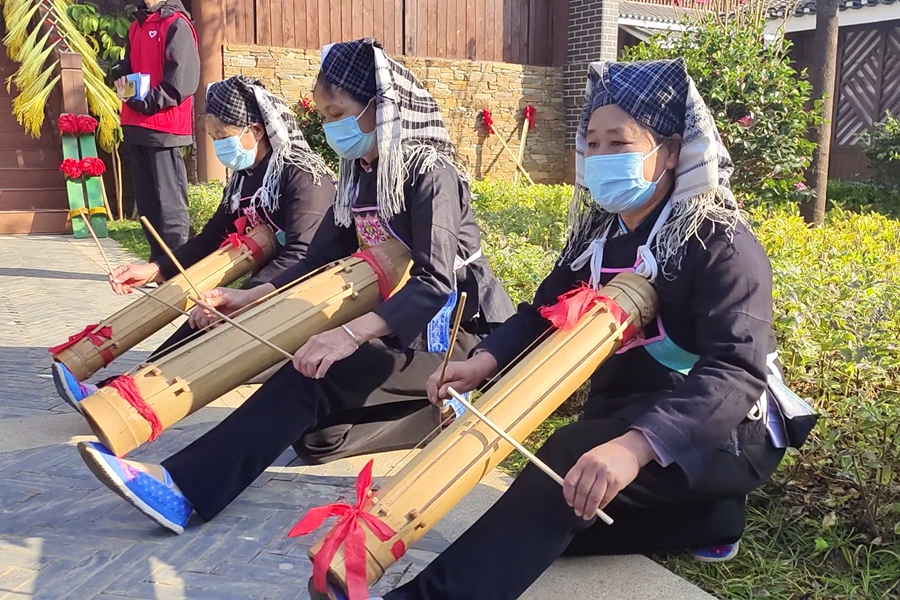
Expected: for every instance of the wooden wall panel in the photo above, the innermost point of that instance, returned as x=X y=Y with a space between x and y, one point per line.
x=517 y=31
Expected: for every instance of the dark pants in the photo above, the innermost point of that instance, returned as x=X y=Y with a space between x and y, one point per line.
x=160 y=192
x=531 y=525
x=372 y=401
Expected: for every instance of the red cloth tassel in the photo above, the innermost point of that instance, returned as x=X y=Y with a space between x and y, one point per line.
x=129 y=391
x=574 y=304
x=488 y=120
x=97 y=336
x=236 y=239
x=384 y=285
x=68 y=124
x=529 y=116
x=86 y=124
x=348 y=532
x=71 y=168
x=92 y=166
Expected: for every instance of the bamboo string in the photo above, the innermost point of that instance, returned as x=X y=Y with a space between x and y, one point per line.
x=520 y=448
x=168 y=251
x=453 y=333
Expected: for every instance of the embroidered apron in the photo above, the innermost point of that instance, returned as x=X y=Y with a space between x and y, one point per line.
x=661 y=347
x=372 y=230
x=256 y=215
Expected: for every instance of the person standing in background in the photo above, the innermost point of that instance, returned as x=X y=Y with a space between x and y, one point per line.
x=162 y=44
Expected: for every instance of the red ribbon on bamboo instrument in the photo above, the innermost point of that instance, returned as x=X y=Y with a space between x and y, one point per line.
x=347 y=531
x=529 y=116
x=384 y=284
x=488 y=120
x=96 y=334
x=129 y=392
x=574 y=304
x=236 y=239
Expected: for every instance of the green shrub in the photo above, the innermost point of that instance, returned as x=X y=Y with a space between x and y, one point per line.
x=203 y=200
x=881 y=146
x=864 y=197
x=757 y=98
x=310 y=123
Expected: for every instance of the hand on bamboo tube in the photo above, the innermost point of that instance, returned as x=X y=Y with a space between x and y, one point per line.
x=321 y=351
x=127 y=277
x=461 y=376
x=225 y=300
x=601 y=473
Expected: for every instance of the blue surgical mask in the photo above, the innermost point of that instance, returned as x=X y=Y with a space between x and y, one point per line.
x=232 y=153
x=347 y=139
x=616 y=181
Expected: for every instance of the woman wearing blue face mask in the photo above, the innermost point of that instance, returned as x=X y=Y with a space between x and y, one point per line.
x=276 y=179
x=358 y=388
x=678 y=427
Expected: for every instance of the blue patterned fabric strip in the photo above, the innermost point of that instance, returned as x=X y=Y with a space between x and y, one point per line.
x=438 y=330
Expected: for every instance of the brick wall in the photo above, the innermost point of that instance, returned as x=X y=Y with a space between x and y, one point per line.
x=593 y=35
x=462 y=88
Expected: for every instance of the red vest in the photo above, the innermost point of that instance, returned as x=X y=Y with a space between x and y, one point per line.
x=147 y=51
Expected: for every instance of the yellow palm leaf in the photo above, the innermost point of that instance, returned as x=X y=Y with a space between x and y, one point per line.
x=31 y=68
x=29 y=104
x=17 y=29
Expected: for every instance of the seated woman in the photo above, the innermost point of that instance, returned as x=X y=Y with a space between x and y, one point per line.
x=671 y=442
x=276 y=179
x=358 y=388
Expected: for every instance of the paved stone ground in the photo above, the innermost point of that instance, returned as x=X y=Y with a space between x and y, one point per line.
x=64 y=535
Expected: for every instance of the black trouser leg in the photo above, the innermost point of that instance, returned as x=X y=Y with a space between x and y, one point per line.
x=160 y=192
x=531 y=525
x=216 y=468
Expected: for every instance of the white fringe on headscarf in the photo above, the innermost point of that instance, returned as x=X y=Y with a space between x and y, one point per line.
x=701 y=191
x=412 y=140
x=288 y=147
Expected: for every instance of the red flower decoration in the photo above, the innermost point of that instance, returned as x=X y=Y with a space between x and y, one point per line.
x=71 y=168
x=68 y=124
x=92 y=167
x=488 y=120
x=87 y=124
x=529 y=115
x=746 y=121
x=306 y=103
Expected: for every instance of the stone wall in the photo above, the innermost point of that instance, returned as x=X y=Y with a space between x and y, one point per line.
x=462 y=88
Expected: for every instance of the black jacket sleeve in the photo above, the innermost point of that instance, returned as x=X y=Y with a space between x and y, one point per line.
x=305 y=204
x=201 y=245
x=181 y=72
x=330 y=242
x=527 y=325
x=435 y=210
x=731 y=303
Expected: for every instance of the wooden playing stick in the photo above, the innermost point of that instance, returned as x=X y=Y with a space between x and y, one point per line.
x=453 y=333
x=171 y=256
x=522 y=450
x=510 y=152
x=522 y=147
x=240 y=327
x=85 y=216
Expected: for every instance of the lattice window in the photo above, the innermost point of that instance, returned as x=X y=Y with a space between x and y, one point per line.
x=862 y=64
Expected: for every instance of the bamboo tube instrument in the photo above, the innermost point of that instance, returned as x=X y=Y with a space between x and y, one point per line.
x=193 y=375
x=94 y=348
x=452 y=464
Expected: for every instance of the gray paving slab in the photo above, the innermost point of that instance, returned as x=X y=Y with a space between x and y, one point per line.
x=65 y=536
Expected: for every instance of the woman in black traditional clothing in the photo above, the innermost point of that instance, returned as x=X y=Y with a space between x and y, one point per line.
x=276 y=179
x=358 y=388
x=678 y=428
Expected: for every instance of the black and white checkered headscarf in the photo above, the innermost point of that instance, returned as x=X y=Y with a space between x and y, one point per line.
x=242 y=101
x=411 y=134
x=662 y=96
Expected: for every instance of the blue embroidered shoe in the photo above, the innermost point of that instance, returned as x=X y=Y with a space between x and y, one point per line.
x=70 y=389
x=158 y=500
x=715 y=554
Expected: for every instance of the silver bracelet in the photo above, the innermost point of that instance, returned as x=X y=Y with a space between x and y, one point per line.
x=350 y=333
